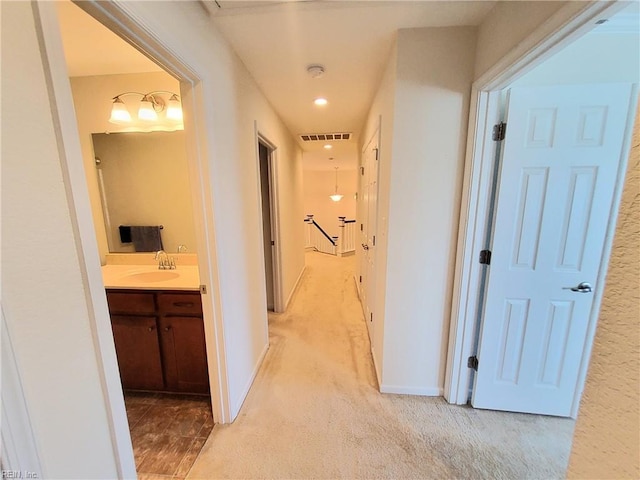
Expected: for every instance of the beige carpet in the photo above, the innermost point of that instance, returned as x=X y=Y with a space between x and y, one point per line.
x=314 y=410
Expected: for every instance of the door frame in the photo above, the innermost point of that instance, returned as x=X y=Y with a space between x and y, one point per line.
x=116 y=17
x=279 y=303
x=559 y=31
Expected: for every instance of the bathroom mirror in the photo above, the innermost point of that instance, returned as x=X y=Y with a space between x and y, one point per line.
x=143 y=181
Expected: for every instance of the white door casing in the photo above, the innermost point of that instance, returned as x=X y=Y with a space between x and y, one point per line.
x=557 y=181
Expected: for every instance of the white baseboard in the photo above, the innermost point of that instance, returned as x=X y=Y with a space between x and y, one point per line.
x=422 y=391
x=245 y=392
x=375 y=367
x=355 y=279
x=295 y=287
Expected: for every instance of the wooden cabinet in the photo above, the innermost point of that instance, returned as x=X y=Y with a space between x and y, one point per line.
x=159 y=338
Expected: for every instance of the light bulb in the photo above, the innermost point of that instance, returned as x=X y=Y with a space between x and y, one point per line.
x=320 y=102
x=146 y=111
x=336 y=197
x=174 y=109
x=119 y=112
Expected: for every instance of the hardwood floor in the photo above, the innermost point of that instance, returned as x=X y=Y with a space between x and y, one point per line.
x=167 y=432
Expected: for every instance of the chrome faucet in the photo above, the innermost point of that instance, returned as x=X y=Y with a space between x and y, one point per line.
x=165 y=262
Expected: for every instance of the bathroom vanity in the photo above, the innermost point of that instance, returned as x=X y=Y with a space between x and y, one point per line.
x=157 y=328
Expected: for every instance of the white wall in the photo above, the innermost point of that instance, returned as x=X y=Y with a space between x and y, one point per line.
x=43 y=294
x=434 y=75
x=92 y=102
x=419 y=192
x=509 y=23
x=606 y=443
x=593 y=58
x=318 y=185
x=381 y=117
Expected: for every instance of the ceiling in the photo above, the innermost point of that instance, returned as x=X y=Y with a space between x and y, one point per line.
x=277 y=41
x=92 y=49
x=351 y=39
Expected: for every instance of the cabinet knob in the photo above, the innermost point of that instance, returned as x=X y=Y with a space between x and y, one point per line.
x=151 y=329
x=166 y=329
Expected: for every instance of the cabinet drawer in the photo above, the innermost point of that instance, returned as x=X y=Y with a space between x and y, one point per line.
x=131 y=302
x=180 y=303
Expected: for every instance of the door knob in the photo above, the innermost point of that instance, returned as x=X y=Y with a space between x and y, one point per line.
x=366 y=247
x=583 y=287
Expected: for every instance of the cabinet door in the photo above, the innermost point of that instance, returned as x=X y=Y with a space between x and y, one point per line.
x=138 y=352
x=184 y=354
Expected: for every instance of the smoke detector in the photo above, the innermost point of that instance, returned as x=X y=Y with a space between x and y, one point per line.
x=315 y=71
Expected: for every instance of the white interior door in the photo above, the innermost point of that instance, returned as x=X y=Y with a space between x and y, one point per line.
x=558 y=174
x=369 y=209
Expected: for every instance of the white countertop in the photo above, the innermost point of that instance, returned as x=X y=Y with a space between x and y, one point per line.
x=150 y=277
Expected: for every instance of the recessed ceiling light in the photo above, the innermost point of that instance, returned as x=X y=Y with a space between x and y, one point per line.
x=320 y=101
x=328 y=147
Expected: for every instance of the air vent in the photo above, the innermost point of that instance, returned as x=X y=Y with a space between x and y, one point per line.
x=323 y=137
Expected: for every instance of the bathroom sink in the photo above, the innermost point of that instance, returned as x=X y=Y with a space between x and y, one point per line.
x=156 y=276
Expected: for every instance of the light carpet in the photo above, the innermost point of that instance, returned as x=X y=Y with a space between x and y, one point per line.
x=314 y=410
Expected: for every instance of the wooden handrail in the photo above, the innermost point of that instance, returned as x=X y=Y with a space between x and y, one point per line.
x=324 y=233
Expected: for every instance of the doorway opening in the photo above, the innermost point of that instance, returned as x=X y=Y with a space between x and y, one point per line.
x=117 y=22
x=267 y=203
x=549 y=66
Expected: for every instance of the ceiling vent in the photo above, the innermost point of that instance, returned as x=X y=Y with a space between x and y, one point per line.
x=323 y=137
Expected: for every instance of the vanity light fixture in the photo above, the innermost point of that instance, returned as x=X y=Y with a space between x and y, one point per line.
x=336 y=197
x=151 y=104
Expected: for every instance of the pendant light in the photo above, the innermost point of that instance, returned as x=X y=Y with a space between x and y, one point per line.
x=336 y=197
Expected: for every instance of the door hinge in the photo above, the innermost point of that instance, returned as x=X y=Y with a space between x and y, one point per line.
x=485 y=257
x=362 y=227
x=499 y=131
x=374 y=240
x=360 y=278
x=273 y=243
x=203 y=289
x=472 y=362
x=361 y=170
x=371 y=318
x=377 y=152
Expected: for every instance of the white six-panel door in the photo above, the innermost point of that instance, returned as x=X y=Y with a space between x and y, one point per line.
x=368 y=218
x=558 y=173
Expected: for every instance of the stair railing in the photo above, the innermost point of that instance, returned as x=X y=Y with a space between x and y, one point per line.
x=318 y=239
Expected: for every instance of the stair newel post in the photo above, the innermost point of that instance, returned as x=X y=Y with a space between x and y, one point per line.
x=335 y=245
x=309 y=222
x=341 y=236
